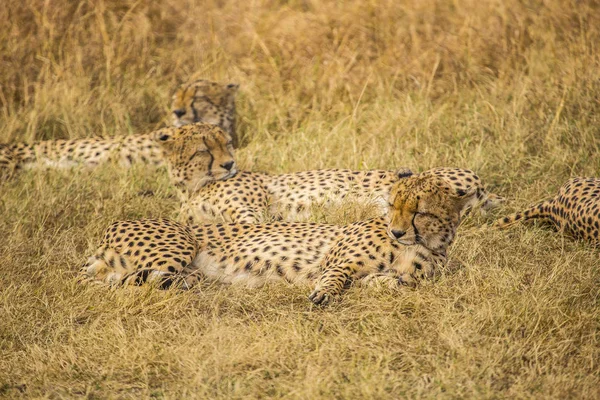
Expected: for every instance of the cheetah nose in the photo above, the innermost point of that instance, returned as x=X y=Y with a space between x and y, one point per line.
x=228 y=165
x=398 y=234
x=179 y=112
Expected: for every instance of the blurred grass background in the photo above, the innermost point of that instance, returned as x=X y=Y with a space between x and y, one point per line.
x=508 y=88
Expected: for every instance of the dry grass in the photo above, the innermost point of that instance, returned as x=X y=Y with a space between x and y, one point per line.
x=508 y=88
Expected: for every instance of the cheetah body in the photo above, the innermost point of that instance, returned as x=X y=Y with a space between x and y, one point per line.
x=254 y=197
x=90 y=152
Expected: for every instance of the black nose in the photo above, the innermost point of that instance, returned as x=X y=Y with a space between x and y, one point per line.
x=228 y=165
x=179 y=112
x=398 y=234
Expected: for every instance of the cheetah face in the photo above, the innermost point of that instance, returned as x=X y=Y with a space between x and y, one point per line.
x=197 y=154
x=202 y=101
x=426 y=210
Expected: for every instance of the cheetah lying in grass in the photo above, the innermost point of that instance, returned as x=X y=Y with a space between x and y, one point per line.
x=410 y=245
x=575 y=210
x=200 y=101
x=252 y=197
x=210 y=157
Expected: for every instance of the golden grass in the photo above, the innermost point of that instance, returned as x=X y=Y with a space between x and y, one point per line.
x=508 y=88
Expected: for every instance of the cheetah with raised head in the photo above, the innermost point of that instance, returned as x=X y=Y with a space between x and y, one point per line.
x=394 y=251
x=206 y=101
x=575 y=210
x=254 y=197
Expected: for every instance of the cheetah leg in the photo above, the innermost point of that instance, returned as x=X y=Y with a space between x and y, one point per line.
x=332 y=282
x=540 y=210
x=408 y=271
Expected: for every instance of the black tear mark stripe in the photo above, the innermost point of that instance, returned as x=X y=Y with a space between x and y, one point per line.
x=212 y=159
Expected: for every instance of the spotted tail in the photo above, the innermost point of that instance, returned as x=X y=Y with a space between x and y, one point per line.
x=540 y=210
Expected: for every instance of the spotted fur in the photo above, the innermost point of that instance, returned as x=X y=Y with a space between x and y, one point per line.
x=327 y=256
x=197 y=154
x=199 y=101
x=254 y=197
x=575 y=210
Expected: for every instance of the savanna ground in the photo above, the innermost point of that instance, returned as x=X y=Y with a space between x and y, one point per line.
x=508 y=88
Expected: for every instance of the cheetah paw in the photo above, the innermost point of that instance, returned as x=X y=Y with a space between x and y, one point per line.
x=320 y=297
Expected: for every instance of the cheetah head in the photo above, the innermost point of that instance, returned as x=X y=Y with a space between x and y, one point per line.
x=204 y=101
x=196 y=154
x=425 y=209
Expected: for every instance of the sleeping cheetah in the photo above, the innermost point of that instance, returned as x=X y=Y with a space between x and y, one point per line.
x=410 y=245
x=202 y=159
x=253 y=197
x=575 y=210
x=200 y=101
x=206 y=101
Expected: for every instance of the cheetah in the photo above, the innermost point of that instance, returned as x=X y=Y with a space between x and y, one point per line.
x=200 y=101
x=395 y=251
x=206 y=101
x=255 y=197
x=575 y=210
x=207 y=158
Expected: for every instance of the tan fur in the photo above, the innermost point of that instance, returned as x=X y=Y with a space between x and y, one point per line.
x=327 y=256
x=252 y=197
x=208 y=102
x=575 y=210
x=149 y=148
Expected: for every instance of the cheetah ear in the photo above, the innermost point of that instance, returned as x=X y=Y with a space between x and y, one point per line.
x=164 y=138
x=464 y=198
x=459 y=194
x=404 y=173
x=162 y=135
x=466 y=193
x=232 y=87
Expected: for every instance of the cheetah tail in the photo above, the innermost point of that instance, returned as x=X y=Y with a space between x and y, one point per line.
x=540 y=210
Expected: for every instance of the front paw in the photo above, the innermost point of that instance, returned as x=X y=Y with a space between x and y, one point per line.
x=407 y=280
x=320 y=297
